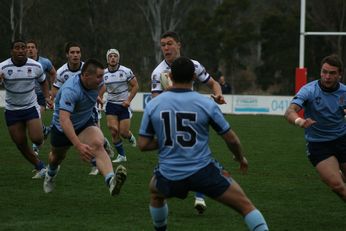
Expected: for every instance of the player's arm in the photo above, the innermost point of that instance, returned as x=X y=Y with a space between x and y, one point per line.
x=217 y=93
x=233 y=144
x=146 y=143
x=67 y=126
x=45 y=91
x=292 y=117
x=134 y=89
x=52 y=75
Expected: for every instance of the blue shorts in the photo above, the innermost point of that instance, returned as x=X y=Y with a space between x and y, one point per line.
x=211 y=180
x=319 y=151
x=59 y=139
x=14 y=116
x=40 y=99
x=118 y=110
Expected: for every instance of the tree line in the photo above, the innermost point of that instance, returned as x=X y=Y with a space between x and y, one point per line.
x=254 y=44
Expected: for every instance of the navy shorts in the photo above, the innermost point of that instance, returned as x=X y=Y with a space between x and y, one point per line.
x=14 y=116
x=40 y=99
x=319 y=151
x=59 y=139
x=210 y=180
x=118 y=110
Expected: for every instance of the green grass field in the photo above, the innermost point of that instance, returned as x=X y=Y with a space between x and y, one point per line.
x=280 y=182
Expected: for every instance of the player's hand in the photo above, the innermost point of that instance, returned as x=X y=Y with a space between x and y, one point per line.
x=304 y=123
x=85 y=152
x=99 y=101
x=126 y=103
x=219 y=99
x=243 y=164
x=49 y=103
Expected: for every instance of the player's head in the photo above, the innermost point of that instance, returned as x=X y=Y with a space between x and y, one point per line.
x=73 y=53
x=170 y=46
x=331 y=71
x=112 y=57
x=18 y=50
x=31 y=49
x=92 y=74
x=182 y=70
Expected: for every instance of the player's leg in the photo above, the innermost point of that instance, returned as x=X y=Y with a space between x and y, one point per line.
x=329 y=171
x=235 y=197
x=103 y=162
x=55 y=157
x=113 y=126
x=158 y=207
x=18 y=135
x=124 y=128
x=343 y=171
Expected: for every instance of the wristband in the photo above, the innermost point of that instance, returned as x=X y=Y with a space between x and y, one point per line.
x=299 y=122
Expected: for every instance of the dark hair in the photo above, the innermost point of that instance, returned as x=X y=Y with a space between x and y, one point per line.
x=334 y=61
x=171 y=34
x=71 y=44
x=32 y=41
x=17 y=41
x=183 y=70
x=91 y=65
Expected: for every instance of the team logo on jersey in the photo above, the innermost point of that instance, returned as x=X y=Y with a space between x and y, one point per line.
x=65 y=77
x=29 y=70
x=10 y=72
x=106 y=77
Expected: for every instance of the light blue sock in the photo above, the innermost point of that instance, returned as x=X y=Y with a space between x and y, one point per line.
x=255 y=221
x=119 y=147
x=159 y=215
x=108 y=177
x=199 y=195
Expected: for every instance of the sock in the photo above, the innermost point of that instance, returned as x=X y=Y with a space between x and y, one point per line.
x=52 y=170
x=108 y=177
x=199 y=195
x=132 y=137
x=159 y=217
x=40 y=165
x=119 y=147
x=255 y=221
x=93 y=162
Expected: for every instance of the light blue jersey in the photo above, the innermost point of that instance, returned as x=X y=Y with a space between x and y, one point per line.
x=47 y=67
x=180 y=119
x=77 y=100
x=326 y=108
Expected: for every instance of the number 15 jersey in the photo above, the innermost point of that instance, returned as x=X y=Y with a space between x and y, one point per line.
x=180 y=119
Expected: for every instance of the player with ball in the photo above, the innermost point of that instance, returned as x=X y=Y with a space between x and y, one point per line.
x=160 y=81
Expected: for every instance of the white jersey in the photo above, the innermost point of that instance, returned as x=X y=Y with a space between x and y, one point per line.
x=117 y=84
x=64 y=72
x=201 y=74
x=19 y=82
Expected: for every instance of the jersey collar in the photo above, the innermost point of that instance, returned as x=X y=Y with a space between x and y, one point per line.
x=328 y=89
x=180 y=89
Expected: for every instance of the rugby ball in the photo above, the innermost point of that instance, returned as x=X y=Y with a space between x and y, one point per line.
x=165 y=81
